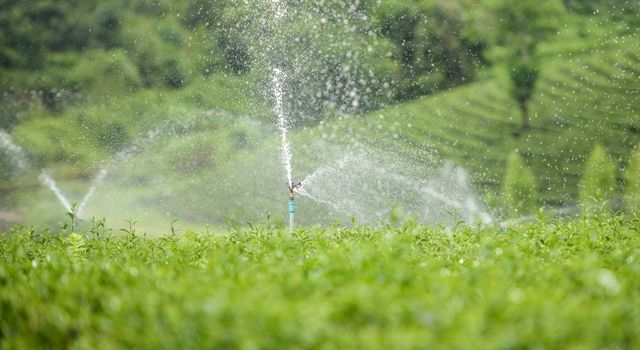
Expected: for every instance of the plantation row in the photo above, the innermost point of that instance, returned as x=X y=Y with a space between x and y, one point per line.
x=546 y=285
x=582 y=99
x=599 y=184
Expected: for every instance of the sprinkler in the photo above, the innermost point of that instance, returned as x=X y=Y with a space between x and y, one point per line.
x=292 y=205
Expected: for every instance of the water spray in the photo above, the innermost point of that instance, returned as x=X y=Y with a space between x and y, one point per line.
x=292 y=205
x=278 y=78
x=48 y=181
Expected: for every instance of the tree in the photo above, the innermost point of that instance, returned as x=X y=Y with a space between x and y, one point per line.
x=523 y=75
x=598 y=184
x=6 y=168
x=632 y=183
x=30 y=28
x=617 y=10
x=432 y=44
x=331 y=56
x=22 y=41
x=521 y=25
x=518 y=187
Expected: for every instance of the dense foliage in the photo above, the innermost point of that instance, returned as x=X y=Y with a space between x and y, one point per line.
x=518 y=187
x=598 y=185
x=433 y=44
x=419 y=47
x=549 y=285
x=82 y=80
x=632 y=182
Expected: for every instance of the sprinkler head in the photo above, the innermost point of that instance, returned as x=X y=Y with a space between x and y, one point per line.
x=292 y=187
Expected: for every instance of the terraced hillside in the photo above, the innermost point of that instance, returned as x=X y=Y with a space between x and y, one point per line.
x=579 y=100
x=582 y=98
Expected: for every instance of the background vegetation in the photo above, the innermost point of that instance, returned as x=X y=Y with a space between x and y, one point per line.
x=537 y=100
x=474 y=80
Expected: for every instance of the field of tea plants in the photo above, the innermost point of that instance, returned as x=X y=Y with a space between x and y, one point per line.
x=553 y=284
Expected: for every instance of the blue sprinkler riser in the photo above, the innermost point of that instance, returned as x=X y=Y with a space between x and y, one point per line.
x=292 y=214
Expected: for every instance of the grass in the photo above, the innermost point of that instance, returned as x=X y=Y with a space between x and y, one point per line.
x=546 y=285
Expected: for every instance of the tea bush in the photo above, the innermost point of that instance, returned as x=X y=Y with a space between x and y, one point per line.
x=598 y=184
x=551 y=284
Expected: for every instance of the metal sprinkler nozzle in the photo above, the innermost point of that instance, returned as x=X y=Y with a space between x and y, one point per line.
x=293 y=187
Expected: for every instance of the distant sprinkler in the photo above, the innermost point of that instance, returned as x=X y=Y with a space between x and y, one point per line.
x=292 y=204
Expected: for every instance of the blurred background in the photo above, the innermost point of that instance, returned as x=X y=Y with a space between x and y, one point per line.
x=427 y=110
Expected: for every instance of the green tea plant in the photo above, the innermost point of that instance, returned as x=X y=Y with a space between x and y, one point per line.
x=598 y=184
x=518 y=187
x=632 y=183
x=552 y=284
x=70 y=227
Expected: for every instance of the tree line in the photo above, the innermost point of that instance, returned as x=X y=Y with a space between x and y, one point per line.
x=402 y=50
x=605 y=183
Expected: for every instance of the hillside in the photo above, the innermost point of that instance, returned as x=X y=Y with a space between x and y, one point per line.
x=192 y=147
x=230 y=150
x=580 y=100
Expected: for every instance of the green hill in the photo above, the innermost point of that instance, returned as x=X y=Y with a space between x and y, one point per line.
x=73 y=115
x=580 y=100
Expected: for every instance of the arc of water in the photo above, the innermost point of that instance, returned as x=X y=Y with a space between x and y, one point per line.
x=304 y=193
x=126 y=154
x=96 y=181
x=323 y=170
x=427 y=190
x=18 y=155
x=438 y=195
x=46 y=180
